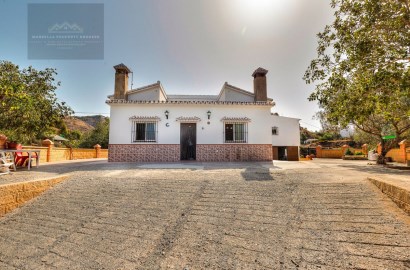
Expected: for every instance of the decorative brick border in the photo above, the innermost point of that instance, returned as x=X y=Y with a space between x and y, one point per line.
x=143 y=152
x=234 y=152
x=204 y=152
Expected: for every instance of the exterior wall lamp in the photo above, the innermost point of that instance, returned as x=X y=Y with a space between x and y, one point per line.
x=209 y=114
x=166 y=114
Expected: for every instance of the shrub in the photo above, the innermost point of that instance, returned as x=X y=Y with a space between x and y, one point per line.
x=348 y=152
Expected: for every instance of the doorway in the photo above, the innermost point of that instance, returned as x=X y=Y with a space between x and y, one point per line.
x=188 y=141
x=282 y=153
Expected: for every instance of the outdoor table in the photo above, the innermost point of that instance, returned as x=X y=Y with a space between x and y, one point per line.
x=28 y=151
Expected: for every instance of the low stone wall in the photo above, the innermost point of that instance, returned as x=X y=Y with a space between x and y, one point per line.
x=397 y=155
x=399 y=195
x=82 y=153
x=103 y=153
x=338 y=152
x=332 y=153
x=60 y=154
x=53 y=154
x=14 y=195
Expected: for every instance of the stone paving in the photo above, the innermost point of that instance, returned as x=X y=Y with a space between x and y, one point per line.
x=307 y=215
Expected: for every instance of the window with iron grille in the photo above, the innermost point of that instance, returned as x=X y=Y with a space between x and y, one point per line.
x=235 y=132
x=275 y=131
x=144 y=131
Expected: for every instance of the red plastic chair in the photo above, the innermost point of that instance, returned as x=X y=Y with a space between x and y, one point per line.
x=19 y=159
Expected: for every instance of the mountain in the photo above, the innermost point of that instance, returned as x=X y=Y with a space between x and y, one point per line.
x=91 y=120
x=73 y=123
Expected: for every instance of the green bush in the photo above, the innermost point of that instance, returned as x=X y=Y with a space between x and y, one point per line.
x=358 y=153
x=348 y=152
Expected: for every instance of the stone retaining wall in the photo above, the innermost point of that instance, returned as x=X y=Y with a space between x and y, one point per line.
x=399 y=195
x=14 y=195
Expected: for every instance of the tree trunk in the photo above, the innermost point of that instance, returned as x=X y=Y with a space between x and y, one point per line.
x=381 y=160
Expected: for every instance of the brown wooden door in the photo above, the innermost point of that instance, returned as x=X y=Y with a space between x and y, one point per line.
x=188 y=141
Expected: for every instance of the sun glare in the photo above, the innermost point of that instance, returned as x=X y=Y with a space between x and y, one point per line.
x=249 y=15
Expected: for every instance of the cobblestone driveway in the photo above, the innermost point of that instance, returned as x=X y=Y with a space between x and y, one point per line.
x=118 y=216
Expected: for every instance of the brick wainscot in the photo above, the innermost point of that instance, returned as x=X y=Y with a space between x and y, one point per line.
x=204 y=152
x=234 y=152
x=143 y=152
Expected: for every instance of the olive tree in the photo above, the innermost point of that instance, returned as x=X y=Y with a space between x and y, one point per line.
x=361 y=72
x=29 y=108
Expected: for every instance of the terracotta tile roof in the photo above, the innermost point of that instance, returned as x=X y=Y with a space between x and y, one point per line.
x=235 y=119
x=122 y=101
x=145 y=118
x=188 y=119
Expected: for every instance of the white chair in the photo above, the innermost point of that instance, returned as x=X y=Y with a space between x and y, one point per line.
x=6 y=164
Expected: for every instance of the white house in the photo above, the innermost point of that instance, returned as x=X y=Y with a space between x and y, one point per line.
x=285 y=137
x=148 y=125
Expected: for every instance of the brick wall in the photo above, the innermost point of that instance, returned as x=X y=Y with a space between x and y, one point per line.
x=143 y=152
x=234 y=152
x=336 y=152
x=104 y=153
x=396 y=155
x=61 y=154
x=81 y=153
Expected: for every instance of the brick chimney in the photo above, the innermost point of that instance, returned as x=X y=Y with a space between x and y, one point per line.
x=259 y=85
x=121 y=81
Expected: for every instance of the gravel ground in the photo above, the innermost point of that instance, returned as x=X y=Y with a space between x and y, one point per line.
x=121 y=216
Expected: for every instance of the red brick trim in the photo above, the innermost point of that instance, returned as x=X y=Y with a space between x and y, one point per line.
x=143 y=152
x=234 y=152
x=204 y=152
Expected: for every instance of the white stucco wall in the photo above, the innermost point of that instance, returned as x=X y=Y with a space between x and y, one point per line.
x=288 y=131
x=232 y=95
x=149 y=94
x=259 y=130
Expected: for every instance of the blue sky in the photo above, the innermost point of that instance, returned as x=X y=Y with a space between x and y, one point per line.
x=191 y=46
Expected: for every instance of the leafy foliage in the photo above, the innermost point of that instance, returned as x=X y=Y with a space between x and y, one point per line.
x=361 y=72
x=29 y=106
x=349 y=152
x=99 y=135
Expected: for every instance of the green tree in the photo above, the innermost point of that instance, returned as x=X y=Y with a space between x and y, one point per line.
x=97 y=136
x=29 y=106
x=362 y=71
